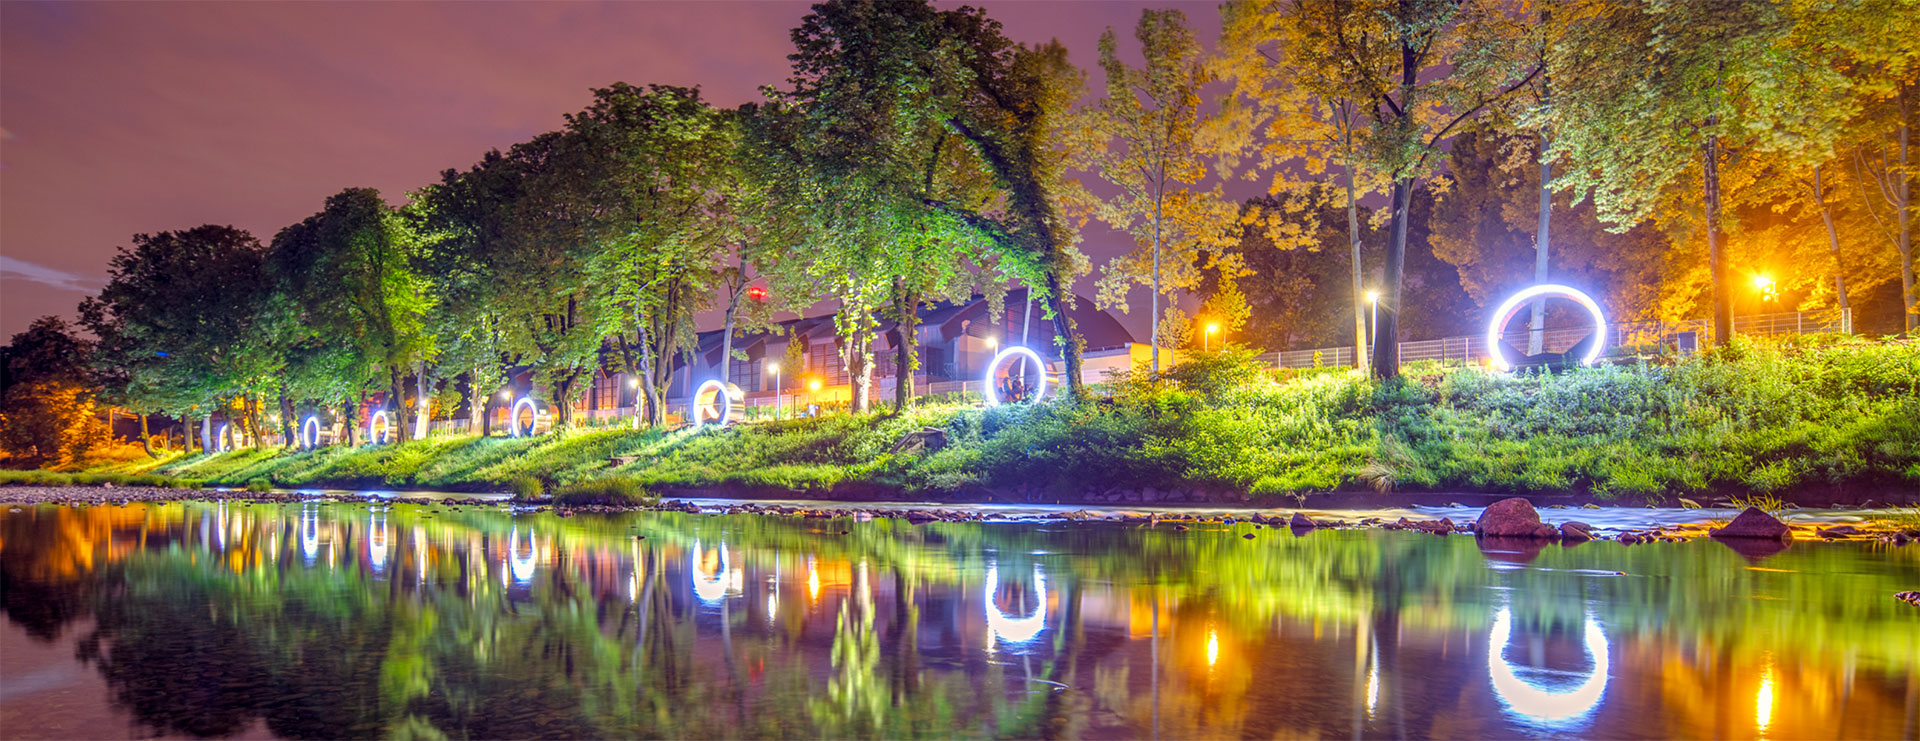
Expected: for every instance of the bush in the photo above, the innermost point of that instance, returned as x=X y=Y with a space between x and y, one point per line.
x=259 y=485
x=613 y=490
x=526 y=487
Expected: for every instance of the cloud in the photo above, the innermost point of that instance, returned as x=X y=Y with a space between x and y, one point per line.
x=23 y=270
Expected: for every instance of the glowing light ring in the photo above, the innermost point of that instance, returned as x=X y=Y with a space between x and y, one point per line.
x=1544 y=704
x=221 y=438
x=385 y=428
x=710 y=589
x=993 y=369
x=310 y=432
x=1512 y=306
x=722 y=406
x=533 y=417
x=1012 y=629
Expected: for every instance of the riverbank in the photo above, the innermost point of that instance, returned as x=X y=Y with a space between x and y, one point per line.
x=1835 y=422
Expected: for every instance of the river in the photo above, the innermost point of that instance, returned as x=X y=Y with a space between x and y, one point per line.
x=340 y=620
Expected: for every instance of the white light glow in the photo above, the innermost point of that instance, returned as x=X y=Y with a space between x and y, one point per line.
x=1763 y=701
x=720 y=410
x=310 y=432
x=1213 y=647
x=522 y=568
x=1540 y=703
x=713 y=587
x=533 y=418
x=1006 y=627
x=993 y=368
x=379 y=428
x=220 y=438
x=309 y=533
x=1513 y=304
x=377 y=537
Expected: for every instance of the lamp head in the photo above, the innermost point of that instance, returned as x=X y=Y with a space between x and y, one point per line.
x=814 y=385
x=1373 y=297
x=773 y=367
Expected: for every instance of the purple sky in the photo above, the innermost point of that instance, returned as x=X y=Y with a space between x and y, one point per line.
x=121 y=118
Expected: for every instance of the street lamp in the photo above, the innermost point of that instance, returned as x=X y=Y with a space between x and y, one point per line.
x=813 y=387
x=1207 y=343
x=775 y=367
x=993 y=342
x=1373 y=325
x=1769 y=291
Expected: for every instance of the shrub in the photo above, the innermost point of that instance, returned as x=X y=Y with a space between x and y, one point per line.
x=526 y=487
x=259 y=484
x=612 y=490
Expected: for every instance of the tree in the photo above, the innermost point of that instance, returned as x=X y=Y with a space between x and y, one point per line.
x=1415 y=70
x=1653 y=96
x=1145 y=137
x=184 y=312
x=47 y=410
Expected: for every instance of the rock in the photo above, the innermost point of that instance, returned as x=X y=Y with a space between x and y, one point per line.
x=1839 y=531
x=1301 y=521
x=1512 y=518
x=1576 y=531
x=924 y=440
x=1754 y=524
x=1248 y=536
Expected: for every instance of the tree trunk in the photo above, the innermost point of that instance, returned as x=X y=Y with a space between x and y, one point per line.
x=349 y=419
x=206 y=434
x=1359 y=281
x=1537 y=336
x=1066 y=336
x=146 y=441
x=651 y=382
x=186 y=435
x=1722 y=299
x=422 y=412
x=1833 y=248
x=482 y=408
x=907 y=351
x=1386 y=328
x=288 y=425
x=859 y=355
x=1903 y=201
x=397 y=406
x=1155 y=306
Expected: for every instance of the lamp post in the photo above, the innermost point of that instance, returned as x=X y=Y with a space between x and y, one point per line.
x=1207 y=344
x=1373 y=297
x=775 y=367
x=813 y=387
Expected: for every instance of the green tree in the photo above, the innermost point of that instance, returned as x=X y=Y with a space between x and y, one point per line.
x=1654 y=97
x=1145 y=136
x=47 y=410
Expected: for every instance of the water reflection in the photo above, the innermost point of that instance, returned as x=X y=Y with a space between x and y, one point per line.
x=192 y=620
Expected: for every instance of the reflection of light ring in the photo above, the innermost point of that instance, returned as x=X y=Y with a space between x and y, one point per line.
x=384 y=431
x=721 y=408
x=710 y=589
x=1006 y=627
x=522 y=567
x=377 y=537
x=533 y=417
x=1512 y=306
x=1540 y=703
x=993 y=368
x=310 y=432
x=309 y=533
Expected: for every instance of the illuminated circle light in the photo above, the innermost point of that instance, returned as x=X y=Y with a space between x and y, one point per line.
x=220 y=439
x=310 y=432
x=1012 y=629
x=1512 y=306
x=993 y=369
x=379 y=428
x=1544 y=704
x=720 y=409
x=533 y=418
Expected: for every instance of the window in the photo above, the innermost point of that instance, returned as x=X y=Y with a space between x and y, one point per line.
x=605 y=391
x=823 y=362
x=745 y=374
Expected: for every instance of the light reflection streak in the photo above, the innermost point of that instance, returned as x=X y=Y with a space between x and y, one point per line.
x=309 y=532
x=1006 y=627
x=714 y=588
x=1763 y=701
x=1373 y=675
x=1213 y=647
x=377 y=537
x=1531 y=699
x=522 y=568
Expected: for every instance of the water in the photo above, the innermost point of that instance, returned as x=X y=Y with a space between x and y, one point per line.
x=351 y=620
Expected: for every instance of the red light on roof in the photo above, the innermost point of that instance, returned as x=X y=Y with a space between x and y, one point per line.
x=757 y=293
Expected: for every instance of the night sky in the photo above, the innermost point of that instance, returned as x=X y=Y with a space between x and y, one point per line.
x=126 y=118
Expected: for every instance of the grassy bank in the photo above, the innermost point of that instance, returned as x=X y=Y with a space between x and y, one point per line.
x=1753 y=417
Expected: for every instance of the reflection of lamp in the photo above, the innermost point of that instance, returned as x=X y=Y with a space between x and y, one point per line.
x=1531 y=699
x=522 y=568
x=1763 y=701
x=1010 y=629
x=309 y=532
x=377 y=542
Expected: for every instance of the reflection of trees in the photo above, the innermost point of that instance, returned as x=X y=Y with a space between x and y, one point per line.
x=475 y=623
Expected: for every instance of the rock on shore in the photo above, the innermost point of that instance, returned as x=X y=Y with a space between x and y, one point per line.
x=1512 y=518
x=1754 y=523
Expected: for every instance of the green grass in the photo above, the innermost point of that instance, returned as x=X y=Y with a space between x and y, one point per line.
x=1751 y=419
x=95 y=478
x=613 y=490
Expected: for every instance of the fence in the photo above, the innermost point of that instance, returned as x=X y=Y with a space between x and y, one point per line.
x=1623 y=338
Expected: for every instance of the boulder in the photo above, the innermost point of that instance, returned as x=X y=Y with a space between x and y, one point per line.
x=1576 y=531
x=1755 y=524
x=1512 y=518
x=1302 y=522
x=1911 y=598
x=1839 y=531
x=924 y=440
